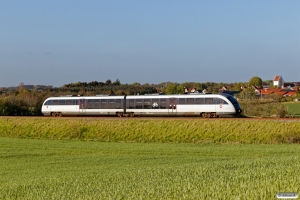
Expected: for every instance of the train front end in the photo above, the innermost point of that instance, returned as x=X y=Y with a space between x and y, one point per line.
x=235 y=103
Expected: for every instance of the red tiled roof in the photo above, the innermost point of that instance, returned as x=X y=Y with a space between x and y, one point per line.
x=278 y=91
x=276 y=78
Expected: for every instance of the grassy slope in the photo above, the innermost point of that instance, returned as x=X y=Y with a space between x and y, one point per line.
x=65 y=169
x=293 y=108
x=154 y=130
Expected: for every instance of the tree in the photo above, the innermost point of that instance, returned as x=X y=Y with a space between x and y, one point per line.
x=174 y=88
x=238 y=86
x=117 y=82
x=255 y=81
x=171 y=89
x=108 y=82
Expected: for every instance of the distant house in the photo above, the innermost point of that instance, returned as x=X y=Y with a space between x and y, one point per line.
x=292 y=85
x=265 y=85
x=225 y=90
x=191 y=90
x=278 y=82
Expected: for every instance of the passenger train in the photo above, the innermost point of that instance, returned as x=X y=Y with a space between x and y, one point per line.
x=198 y=104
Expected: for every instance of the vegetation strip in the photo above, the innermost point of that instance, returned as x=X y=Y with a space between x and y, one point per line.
x=154 y=130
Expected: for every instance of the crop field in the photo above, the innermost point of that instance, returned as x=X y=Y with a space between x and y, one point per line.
x=68 y=169
x=293 y=108
x=153 y=130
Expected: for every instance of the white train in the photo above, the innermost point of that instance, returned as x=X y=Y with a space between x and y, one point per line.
x=205 y=105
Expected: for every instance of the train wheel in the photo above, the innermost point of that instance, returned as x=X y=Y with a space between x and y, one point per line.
x=206 y=115
x=120 y=114
x=56 y=114
x=214 y=115
x=131 y=114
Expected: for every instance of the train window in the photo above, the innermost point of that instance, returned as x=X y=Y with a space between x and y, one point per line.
x=69 y=102
x=119 y=103
x=200 y=101
x=75 y=102
x=104 y=104
x=90 y=104
x=155 y=103
x=131 y=103
x=147 y=104
x=139 y=103
x=209 y=100
x=62 y=102
x=163 y=104
x=111 y=104
x=220 y=101
x=97 y=104
x=190 y=101
x=49 y=102
x=122 y=104
x=55 y=102
x=182 y=101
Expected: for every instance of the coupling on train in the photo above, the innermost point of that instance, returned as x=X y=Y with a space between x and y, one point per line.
x=205 y=105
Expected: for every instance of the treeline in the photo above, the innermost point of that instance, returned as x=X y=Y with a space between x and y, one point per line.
x=28 y=102
x=22 y=102
x=92 y=84
x=135 y=88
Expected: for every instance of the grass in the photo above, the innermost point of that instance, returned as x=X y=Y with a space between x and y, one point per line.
x=154 y=130
x=66 y=169
x=293 y=108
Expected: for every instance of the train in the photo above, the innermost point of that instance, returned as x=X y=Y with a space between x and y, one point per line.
x=199 y=104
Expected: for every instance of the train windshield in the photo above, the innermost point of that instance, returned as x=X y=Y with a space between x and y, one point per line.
x=49 y=102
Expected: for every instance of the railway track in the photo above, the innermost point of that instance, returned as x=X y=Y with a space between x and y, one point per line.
x=154 y=118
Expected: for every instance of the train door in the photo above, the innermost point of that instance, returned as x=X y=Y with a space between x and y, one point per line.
x=172 y=106
x=221 y=105
x=82 y=106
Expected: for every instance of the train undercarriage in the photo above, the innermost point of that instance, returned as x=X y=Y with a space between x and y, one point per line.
x=132 y=114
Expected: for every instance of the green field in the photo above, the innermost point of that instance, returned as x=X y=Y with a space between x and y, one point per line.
x=146 y=158
x=293 y=108
x=66 y=169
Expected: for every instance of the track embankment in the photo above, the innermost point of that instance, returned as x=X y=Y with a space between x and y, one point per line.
x=146 y=129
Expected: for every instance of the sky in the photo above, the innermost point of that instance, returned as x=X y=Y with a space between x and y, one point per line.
x=56 y=42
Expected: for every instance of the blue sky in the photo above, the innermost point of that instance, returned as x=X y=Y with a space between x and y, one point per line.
x=55 y=42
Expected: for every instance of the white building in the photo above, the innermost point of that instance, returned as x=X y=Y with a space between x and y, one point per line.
x=278 y=81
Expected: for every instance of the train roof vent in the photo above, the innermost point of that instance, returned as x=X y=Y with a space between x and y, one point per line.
x=156 y=94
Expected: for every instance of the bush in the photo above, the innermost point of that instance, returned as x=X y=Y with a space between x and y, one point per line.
x=263 y=108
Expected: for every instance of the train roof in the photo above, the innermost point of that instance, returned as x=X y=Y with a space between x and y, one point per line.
x=157 y=95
